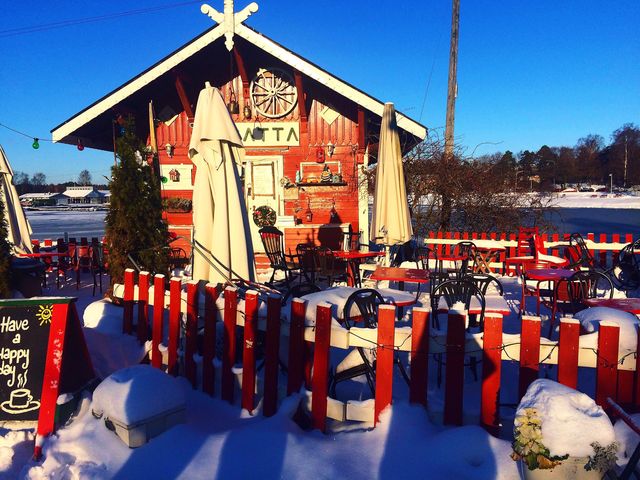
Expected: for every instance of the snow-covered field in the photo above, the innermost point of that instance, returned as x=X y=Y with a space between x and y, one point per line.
x=594 y=200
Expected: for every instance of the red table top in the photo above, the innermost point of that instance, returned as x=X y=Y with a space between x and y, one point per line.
x=356 y=254
x=44 y=254
x=397 y=274
x=548 y=273
x=631 y=305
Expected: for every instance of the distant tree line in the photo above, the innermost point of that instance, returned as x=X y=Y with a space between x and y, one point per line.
x=37 y=183
x=590 y=161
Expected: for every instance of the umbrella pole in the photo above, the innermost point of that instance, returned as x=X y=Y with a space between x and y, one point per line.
x=226 y=195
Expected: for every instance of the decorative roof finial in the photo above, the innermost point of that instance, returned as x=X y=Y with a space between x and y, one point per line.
x=228 y=19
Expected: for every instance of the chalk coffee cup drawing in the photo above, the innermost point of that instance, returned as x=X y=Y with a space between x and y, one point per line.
x=20 y=401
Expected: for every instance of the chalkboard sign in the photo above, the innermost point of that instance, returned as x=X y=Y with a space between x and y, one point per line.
x=24 y=336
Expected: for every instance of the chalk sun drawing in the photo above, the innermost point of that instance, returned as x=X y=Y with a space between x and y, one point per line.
x=45 y=312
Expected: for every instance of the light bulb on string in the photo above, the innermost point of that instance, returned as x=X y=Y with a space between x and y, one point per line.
x=79 y=145
x=35 y=144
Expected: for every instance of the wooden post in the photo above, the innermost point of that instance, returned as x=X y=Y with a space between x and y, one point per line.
x=568 y=349
x=158 y=317
x=295 y=362
x=175 y=299
x=209 y=342
x=607 y=365
x=271 y=361
x=454 y=372
x=229 y=344
x=191 y=334
x=143 y=306
x=419 y=356
x=320 y=377
x=249 y=351
x=384 y=359
x=491 y=369
x=529 y=353
x=127 y=314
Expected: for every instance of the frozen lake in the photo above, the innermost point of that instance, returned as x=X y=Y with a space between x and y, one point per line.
x=47 y=224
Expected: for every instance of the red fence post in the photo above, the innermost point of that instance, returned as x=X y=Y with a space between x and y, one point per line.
x=158 y=318
x=191 y=334
x=607 y=363
x=320 y=378
x=229 y=343
x=249 y=350
x=419 y=357
x=209 y=341
x=295 y=363
x=603 y=253
x=175 y=307
x=143 y=306
x=384 y=359
x=127 y=314
x=454 y=372
x=529 y=353
x=271 y=359
x=491 y=368
x=568 y=349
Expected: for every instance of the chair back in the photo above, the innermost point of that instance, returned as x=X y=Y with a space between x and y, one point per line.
x=83 y=256
x=299 y=290
x=365 y=301
x=458 y=291
x=405 y=252
x=483 y=281
x=427 y=259
x=525 y=246
x=570 y=292
x=580 y=255
x=273 y=242
x=467 y=251
x=626 y=268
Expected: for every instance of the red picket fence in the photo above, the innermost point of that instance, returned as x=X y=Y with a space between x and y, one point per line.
x=615 y=377
x=606 y=246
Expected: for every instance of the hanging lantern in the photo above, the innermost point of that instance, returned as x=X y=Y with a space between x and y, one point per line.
x=35 y=144
x=246 y=111
x=79 y=145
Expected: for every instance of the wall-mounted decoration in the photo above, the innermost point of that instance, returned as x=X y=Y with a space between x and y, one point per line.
x=273 y=93
x=269 y=134
x=178 y=177
x=264 y=216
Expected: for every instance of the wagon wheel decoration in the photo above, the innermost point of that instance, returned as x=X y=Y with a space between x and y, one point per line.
x=264 y=216
x=273 y=93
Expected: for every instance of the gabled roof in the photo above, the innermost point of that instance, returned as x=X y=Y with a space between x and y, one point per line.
x=67 y=131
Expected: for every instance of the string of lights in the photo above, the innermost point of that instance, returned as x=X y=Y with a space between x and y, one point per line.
x=12 y=32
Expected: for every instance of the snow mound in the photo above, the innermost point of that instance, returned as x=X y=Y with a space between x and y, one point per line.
x=571 y=421
x=137 y=393
x=591 y=317
x=103 y=316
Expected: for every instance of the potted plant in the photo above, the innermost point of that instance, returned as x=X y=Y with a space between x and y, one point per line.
x=176 y=205
x=561 y=433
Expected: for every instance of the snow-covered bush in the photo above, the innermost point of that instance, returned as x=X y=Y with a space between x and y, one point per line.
x=554 y=422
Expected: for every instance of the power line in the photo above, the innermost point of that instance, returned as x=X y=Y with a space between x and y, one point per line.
x=13 y=32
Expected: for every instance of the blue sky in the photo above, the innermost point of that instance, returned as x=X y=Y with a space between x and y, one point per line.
x=529 y=72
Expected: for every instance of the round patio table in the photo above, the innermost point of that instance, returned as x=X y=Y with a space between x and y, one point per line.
x=540 y=275
x=353 y=259
x=631 y=305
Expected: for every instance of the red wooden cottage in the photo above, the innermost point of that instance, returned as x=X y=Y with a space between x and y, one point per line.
x=309 y=135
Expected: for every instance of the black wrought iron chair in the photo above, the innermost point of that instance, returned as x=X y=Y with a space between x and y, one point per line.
x=361 y=310
x=579 y=255
x=273 y=242
x=625 y=273
x=483 y=281
x=458 y=291
x=569 y=293
x=464 y=253
x=331 y=268
x=308 y=259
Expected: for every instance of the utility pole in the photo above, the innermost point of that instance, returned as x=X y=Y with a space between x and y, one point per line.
x=452 y=91
x=624 y=181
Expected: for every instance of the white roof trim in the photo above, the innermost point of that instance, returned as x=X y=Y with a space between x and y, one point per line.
x=135 y=85
x=258 y=40
x=330 y=81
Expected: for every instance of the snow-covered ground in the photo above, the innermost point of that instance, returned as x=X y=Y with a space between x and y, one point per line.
x=594 y=200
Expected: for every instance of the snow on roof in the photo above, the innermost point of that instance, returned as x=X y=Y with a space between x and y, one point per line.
x=82 y=192
x=68 y=128
x=45 y=195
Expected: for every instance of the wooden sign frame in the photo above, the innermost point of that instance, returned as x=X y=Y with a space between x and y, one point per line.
x=68 y=366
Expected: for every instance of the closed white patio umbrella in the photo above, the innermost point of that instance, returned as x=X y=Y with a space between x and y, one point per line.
x=390 y=221
x=19 y=229
x=222 y=242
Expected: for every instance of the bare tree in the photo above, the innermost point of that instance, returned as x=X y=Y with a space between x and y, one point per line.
x=84 y=178
x=38 y=179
